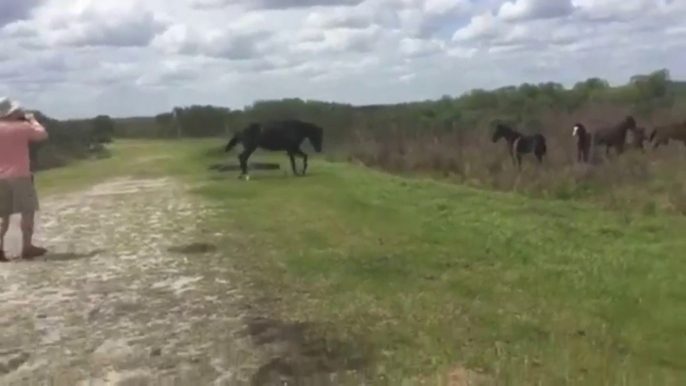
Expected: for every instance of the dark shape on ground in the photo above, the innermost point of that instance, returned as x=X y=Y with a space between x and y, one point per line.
x=226 y=167
x=68 y=256
x=193 y=248
x=282 y=135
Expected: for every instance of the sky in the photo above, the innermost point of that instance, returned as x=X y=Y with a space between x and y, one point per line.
x=80 y=58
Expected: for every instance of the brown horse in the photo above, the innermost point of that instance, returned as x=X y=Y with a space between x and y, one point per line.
x=662 y=134
x=612 y=136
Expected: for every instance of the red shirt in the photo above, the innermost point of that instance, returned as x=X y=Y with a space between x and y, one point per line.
x=14 y=146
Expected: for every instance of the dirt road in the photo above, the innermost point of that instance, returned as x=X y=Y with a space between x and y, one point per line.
x=121 y=299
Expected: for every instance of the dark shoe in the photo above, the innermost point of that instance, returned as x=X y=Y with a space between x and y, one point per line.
x=3 y=258
x=32 y=251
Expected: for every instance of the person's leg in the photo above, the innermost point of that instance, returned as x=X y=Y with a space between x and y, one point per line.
x=6 y=204
x=27 y=204
x=29 y=250
x=4 y=227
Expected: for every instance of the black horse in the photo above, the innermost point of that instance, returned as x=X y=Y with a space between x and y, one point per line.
x=519 y=144
x=612 y=136
x=283 y=135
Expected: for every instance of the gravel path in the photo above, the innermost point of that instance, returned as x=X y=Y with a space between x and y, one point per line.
x=114 y=303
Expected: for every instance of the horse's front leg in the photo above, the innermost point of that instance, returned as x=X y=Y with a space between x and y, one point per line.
x=619 y=149
x=512 y=152
x=302 y=155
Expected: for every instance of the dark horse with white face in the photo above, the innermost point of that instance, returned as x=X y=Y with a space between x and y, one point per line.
x=283 y=135
x=612 y=136
x=519 y=144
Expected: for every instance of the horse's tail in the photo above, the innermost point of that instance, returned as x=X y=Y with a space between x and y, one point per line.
x=232 y=143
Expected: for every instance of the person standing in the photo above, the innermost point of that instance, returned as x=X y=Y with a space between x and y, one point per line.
x=17 y=192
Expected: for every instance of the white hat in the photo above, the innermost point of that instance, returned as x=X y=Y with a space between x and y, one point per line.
x=8 y=106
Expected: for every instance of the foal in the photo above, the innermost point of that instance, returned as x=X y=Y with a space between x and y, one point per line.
x=519 y=144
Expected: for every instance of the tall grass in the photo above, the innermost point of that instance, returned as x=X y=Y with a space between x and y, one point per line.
x=644 y=181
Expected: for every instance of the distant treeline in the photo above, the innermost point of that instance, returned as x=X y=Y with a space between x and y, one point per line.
x=524 y=105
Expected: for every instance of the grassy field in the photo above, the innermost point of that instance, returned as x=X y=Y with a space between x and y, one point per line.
x=424 y=278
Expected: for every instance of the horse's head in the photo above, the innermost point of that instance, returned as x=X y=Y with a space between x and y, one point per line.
x=630 y=122
x=498 y=132
x=316 y=136
x=578 y=130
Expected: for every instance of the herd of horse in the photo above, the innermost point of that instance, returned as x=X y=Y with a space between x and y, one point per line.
x=288 y=135
x=614 y=136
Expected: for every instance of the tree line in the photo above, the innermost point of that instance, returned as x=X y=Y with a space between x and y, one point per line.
x=520 y=105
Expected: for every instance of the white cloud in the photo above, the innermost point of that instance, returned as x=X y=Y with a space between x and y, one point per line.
x=130 y=57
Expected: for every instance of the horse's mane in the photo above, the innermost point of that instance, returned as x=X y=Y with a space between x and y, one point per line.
x=313 y=130
x=504 y=127
x=626 y=123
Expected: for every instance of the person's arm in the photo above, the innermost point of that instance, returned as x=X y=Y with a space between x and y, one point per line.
x=36 y=131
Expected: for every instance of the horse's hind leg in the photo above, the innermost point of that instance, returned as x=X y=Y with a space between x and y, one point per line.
x=243 y=160
x=291 y=156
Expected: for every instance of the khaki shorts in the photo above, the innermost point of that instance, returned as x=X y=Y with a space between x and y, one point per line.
x=17 y=195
